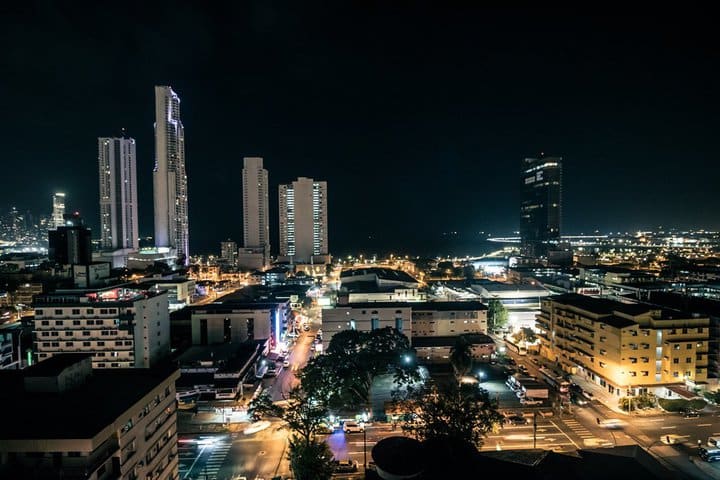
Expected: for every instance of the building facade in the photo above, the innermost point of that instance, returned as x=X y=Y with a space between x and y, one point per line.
x=366 y=317
x=118 y=193
x=58 y=211
x=625 y=348
x=94 y=425
x=121 y=327
x=170 y=182
x=304 y=221
x=448 y=319
x=228 y=252
x=70 y=243
x=541 y=205
x=256 y=211
x=234 y=322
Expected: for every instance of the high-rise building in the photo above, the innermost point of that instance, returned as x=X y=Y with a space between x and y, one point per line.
x=541 y=205
x=256 y=221
x=58 y=210
x=118 y=193
x=228 y=252
x=303 y=221
x=89 y=424
x=70 y=243
x=121 y=327
x=170 y=183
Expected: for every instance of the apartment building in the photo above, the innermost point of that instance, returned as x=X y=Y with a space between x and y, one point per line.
x=90 y=425
x=121 y=327
x=626 y=348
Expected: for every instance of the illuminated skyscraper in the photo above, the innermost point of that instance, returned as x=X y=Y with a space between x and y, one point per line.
x=256 y=222
x=303 y=220
x=58 y=210
x=118 y=193
x=169 y=177
x=541 y=205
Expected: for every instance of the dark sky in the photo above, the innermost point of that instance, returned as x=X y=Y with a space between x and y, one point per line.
x=417 y=114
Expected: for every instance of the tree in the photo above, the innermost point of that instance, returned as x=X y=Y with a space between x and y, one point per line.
x=461 y=356
x=453 y=413
x=310 y=461
x=526 y=334
x=497 y=315
x=343 y=376
x=300 y=413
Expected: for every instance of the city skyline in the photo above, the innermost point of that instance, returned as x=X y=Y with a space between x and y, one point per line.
x=451 y=137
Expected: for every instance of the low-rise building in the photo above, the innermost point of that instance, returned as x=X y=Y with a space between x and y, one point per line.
x=627 y=348
x=366 y=317
x=237 y=322
x=121 y=327
x=180 y=289
x=433 y=350
x=85 y=424
x=444 y=319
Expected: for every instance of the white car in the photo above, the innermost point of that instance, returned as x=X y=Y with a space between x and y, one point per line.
x=353 y=427
x=256 y=427
x=531 y=401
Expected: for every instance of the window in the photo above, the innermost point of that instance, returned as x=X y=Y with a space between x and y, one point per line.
x=676 y=346
x=688 y=360
x=644 y=373
x=76 y=311
x=676 y=374
x=58 y=322
x=46 y=322
x=100 y=344
x=676 y=360
x=86 y=333
x=633 y=360
x=76 y=322
x=689 y=346
x=58 y=312
x=90 y=311
x=68 y=333
x=38 y=312
x=86 y=344
x=68 y=344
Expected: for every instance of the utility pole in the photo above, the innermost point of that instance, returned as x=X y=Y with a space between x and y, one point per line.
x=365 y=447
x=534 y=430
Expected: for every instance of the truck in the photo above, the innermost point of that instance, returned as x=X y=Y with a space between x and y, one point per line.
x=535 y=389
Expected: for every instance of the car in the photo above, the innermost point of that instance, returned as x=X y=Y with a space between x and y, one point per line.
x=709 y=454
x=612 y=423
x=578 y=400
x=517 y=420
x=353 y=427
x=531 y=401
x=690 y=414
x=256 y=427
x=346 y=466
x=673 y=439
x=286 y=363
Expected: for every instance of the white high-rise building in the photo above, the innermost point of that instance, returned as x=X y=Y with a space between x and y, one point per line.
x=303 y=221
x=121 y=327
x=118 y=193
x=58 y=213
x=170 y=193
x=256 y=221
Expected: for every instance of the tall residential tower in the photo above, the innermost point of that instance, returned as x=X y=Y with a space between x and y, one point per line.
x=169 y=176
x=256 y=222
x=303 y=221
x=58 y=210
x=118 y=193
x=541 y=205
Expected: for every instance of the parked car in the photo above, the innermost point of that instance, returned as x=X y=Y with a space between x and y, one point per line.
x=709 y=454
x=690 y=413
x=346 y=466
x=530 y=401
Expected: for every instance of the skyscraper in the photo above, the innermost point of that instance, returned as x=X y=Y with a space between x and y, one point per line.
x=303 y=220
x=118 y=193
x=256 y=222
x=228 y=252
x=541 y=205
x=169 y=176
x=58 y=210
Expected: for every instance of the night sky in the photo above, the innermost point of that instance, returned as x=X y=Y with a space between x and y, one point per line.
x=417 y=116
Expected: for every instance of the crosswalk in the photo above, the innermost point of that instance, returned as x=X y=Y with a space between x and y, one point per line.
x=216 y=459
x=189 y=457
x=589 y=440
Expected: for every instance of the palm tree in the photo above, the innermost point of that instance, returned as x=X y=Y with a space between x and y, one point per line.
x=461 y=356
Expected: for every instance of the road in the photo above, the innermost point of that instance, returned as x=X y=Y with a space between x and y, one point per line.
x=222 y=456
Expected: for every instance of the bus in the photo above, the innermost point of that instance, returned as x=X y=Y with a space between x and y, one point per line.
x=519 y=349
x=556 y=381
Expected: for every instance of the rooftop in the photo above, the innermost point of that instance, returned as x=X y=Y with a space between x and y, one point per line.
x=110 y=295
x=449 y=306
x=449 y=341
x=382 y=273
x=78 y=413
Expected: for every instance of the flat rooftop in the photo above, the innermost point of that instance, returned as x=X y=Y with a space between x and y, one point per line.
x=79 y=413
x=449 y=341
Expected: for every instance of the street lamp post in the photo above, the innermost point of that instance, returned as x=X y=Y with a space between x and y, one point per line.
x=365 y=448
